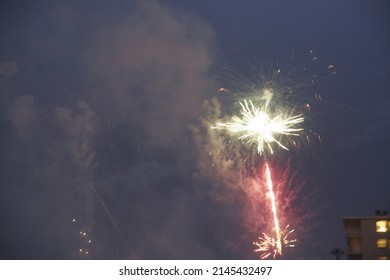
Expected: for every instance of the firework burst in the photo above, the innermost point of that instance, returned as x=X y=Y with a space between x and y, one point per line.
x=271 y=247
x=261 y=127
x=263 y=124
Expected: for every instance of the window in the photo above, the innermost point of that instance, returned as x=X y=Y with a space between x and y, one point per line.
x=382 y=226
x=381 y=243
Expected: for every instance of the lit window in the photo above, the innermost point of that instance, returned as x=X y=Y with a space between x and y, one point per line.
x=382 y=258
x=381 y=243
x=382 y=226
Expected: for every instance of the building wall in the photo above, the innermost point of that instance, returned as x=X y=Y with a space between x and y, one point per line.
x=369 y=240
x=362 y=238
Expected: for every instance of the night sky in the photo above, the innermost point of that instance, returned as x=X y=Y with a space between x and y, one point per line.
x=104 y=112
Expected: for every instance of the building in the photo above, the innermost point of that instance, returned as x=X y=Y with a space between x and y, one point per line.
x=368 y=238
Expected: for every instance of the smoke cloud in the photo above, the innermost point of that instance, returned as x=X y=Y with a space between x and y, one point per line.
x=104 y=98
x=108 y=151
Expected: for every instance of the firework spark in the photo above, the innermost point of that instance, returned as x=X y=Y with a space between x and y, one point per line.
x=261 y=126
x=269 y=245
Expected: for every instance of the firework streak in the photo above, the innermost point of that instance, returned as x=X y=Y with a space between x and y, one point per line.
x=266 y=125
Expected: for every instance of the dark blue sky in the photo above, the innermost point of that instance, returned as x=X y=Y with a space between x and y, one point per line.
x=111 y=94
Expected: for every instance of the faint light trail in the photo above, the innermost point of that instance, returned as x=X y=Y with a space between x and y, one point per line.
x=112 y=221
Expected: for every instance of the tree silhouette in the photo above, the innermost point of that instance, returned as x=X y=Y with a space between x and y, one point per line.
x=337 y=252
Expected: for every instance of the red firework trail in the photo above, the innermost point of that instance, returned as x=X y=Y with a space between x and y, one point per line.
x=274 y=208
x=267 y=244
